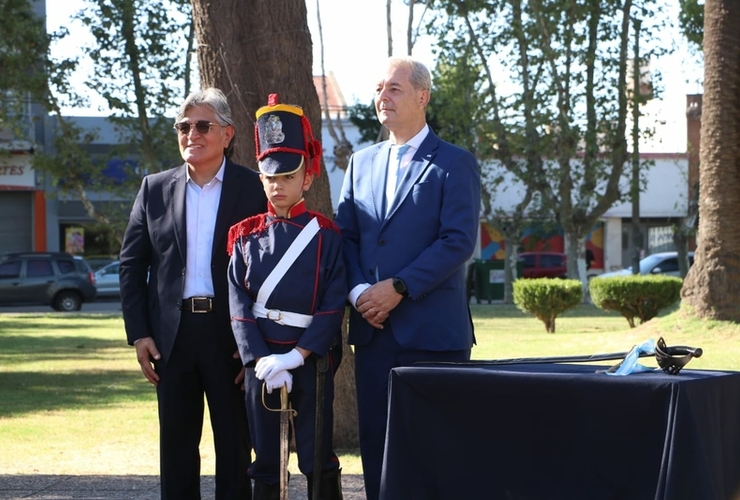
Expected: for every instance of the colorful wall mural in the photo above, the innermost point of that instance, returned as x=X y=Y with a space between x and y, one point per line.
x=542 y=238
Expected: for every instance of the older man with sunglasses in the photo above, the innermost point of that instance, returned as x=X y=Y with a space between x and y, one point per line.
x=174 y=295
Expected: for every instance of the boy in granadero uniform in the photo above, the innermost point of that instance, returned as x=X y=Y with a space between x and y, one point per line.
x=287 y=294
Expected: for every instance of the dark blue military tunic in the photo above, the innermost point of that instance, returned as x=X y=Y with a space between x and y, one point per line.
x=315 y=284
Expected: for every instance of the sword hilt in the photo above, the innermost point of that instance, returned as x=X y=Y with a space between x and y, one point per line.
x=672 y=358
x=284 y=401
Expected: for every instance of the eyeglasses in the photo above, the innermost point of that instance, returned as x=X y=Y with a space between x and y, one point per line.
x=202 y=126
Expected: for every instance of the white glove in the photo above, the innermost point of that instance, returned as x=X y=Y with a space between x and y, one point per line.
x=278 y=380
x=274 y=363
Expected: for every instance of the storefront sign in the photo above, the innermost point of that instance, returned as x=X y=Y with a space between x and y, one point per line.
x=16 y=171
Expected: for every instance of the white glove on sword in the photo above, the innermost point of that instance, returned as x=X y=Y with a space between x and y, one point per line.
x=270 y=365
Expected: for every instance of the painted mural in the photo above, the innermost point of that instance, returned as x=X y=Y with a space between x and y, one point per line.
x=542 y=238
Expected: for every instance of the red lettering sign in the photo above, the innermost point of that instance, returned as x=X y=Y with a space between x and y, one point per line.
x=10 y=170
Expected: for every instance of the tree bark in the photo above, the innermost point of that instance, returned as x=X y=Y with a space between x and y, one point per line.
x=250 y=50
x=712 y=286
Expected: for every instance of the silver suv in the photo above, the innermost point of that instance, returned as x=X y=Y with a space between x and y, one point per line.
x=57 y=279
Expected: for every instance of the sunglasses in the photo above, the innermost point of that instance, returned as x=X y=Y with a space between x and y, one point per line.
x=202 y=126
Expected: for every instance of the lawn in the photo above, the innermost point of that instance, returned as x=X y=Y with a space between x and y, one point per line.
x=74 y=400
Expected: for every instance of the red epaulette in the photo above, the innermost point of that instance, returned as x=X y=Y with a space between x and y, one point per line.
x=250 y=225
x=324 y=221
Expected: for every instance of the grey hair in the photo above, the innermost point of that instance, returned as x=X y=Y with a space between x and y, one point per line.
x=214 y=99
x=420 y=77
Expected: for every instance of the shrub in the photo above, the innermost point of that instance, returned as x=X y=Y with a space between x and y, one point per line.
x=635 y=296
x=547 y=297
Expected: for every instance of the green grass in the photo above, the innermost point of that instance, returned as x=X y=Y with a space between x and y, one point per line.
x=73 y=400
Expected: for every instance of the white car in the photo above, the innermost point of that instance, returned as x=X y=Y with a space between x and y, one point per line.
x=662 y=263
x=106 y=280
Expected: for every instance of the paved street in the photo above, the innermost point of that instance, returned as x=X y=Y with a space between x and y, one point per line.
x=47 y=487
x=99 y=306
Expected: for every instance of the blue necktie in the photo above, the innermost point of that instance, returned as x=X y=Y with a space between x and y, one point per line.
x=399 y=157
x=391 y=186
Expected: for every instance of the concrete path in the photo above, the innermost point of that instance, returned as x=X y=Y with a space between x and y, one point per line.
x=46 y=487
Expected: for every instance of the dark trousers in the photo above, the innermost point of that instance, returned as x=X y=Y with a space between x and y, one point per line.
x=198 y=367
x=373 y=364
x=265 y=424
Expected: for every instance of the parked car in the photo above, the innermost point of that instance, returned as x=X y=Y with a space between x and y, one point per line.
x=662 y=263
x=543 y=265
x=106 y=280
x=97 y=261
x=57 y=279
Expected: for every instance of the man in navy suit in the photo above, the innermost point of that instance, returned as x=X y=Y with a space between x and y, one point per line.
x=174 y=296
x=409 y=223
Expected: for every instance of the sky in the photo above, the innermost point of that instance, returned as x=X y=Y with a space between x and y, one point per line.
x=354 y=61
x=355 y=51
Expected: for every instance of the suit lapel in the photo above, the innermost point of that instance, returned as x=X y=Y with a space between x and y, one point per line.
x=414 y=170
x=177 y=205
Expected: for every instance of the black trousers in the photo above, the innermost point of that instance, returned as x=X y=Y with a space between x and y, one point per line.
x=265 y=424
x=198 y=367
x=373 y=364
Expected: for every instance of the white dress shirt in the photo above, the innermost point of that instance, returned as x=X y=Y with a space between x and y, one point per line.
x=201 y=208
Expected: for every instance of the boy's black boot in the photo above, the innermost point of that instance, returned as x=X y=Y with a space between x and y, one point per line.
x=265 y=491
x=331 y=486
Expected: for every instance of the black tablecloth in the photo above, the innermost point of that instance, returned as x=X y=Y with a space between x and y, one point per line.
x=561 y=432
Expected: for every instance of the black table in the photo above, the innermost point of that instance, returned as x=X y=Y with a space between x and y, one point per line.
x=561 y=432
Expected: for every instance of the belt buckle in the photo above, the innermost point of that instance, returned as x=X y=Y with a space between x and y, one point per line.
x=203 y=310
x=278 y=318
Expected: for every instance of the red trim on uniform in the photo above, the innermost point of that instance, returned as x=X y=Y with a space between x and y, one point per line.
x=282 y=342
x=297 y=209
x=250 y=225
x=281 y=149
x=324 y=221
x=313 y=148
x=326 y=313
x=244 y=320
x=317 y=275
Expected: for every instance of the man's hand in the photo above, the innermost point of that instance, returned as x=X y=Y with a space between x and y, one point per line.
x=376 y=303
x=270 y=365
x=278 y=380
x=147 y=353
x=240 y=377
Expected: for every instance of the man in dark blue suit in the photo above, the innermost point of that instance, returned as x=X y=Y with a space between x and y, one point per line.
x=174 y=296
x=409 y=219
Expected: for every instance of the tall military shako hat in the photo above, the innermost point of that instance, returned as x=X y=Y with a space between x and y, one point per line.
x=284 y=140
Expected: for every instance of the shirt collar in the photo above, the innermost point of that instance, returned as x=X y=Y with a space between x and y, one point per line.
x=219 y=175
x=294 y=211
x=415 y=141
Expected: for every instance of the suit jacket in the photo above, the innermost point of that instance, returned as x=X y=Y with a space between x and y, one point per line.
x=426 y=239
x=153 y=253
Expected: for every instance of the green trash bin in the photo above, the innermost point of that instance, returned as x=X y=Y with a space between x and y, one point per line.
x=489 y=279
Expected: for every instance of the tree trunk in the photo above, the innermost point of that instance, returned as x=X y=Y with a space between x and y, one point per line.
x=712 y=286
x=250 y=50
x=253 y=49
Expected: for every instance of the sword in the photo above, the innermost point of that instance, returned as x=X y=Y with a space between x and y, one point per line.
x=670 y=358
x=285 y=413
x=284 y=441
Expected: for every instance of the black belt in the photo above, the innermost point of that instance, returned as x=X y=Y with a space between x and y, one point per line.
x=197 y=304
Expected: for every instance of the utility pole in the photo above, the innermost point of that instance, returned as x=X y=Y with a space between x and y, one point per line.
x=636 y=233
